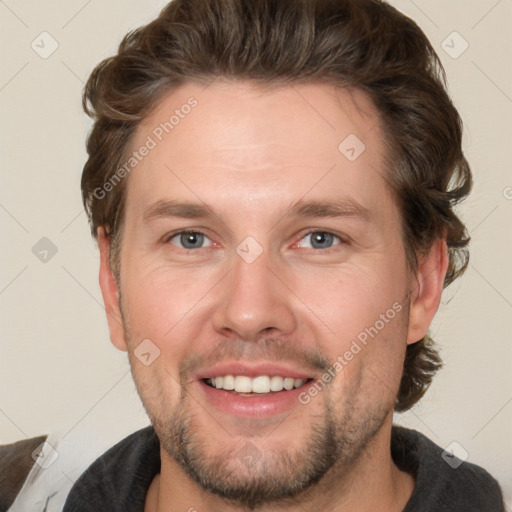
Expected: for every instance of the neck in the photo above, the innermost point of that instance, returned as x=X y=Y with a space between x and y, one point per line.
x=373 y=483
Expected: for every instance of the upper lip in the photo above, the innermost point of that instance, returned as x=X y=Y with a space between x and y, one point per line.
x=252 y=370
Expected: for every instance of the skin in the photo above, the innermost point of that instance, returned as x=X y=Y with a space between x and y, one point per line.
x=249 y=154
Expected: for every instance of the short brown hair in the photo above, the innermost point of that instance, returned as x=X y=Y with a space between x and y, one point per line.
x=365 y=44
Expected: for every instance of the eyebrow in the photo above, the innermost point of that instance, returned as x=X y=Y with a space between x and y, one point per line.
x=343 y=207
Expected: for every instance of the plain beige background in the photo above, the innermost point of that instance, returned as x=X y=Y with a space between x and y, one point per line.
x=58 y=370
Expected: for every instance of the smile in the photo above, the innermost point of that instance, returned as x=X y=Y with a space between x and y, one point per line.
x=260 y=385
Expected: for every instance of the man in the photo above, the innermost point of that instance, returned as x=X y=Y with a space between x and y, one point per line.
x=271 y=185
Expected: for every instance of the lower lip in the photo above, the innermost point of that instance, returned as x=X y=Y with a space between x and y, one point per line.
x=254 y=406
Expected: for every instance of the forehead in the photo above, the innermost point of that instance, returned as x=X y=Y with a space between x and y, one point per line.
x=229 y=114
x=238 y=144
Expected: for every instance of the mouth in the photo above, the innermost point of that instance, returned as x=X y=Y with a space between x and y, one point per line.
x=261 y=385
x=256 y=398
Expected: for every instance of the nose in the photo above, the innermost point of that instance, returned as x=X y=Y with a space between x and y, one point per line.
x=255 y=300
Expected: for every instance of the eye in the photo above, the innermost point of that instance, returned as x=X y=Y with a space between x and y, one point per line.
x=321 y=240
x=188 y=239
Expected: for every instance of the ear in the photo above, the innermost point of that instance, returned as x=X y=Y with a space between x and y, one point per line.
x=110 y=292
x=426 y=295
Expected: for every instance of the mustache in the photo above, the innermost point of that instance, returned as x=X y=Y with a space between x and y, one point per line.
x=269 y=349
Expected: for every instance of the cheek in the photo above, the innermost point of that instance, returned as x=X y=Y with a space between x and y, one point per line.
x=369 y=380
x=367 y=317
x=158 y=299
x=351 y=300
x=154 y=309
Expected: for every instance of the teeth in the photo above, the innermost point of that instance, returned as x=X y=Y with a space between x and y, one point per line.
x=228 y=382
x=242 y=384
x=260 y=384
x=288 y=383
x=276 y=383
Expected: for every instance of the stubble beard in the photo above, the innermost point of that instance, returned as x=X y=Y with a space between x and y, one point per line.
x=338 y=438
x=333 y=446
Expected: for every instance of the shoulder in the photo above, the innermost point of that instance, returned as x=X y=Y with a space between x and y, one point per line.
x=40 y=472
x=16 y=462
x=443 y=481
x=118 y=478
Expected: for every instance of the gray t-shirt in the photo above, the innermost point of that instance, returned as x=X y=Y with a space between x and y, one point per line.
x=120 y=478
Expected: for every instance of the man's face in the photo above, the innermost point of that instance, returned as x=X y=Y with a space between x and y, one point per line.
x=261 y=290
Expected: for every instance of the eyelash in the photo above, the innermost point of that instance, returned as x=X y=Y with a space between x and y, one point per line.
x=342 y=240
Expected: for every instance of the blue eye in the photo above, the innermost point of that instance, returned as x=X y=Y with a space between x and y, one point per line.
x=190 y=239
x=321 y=239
